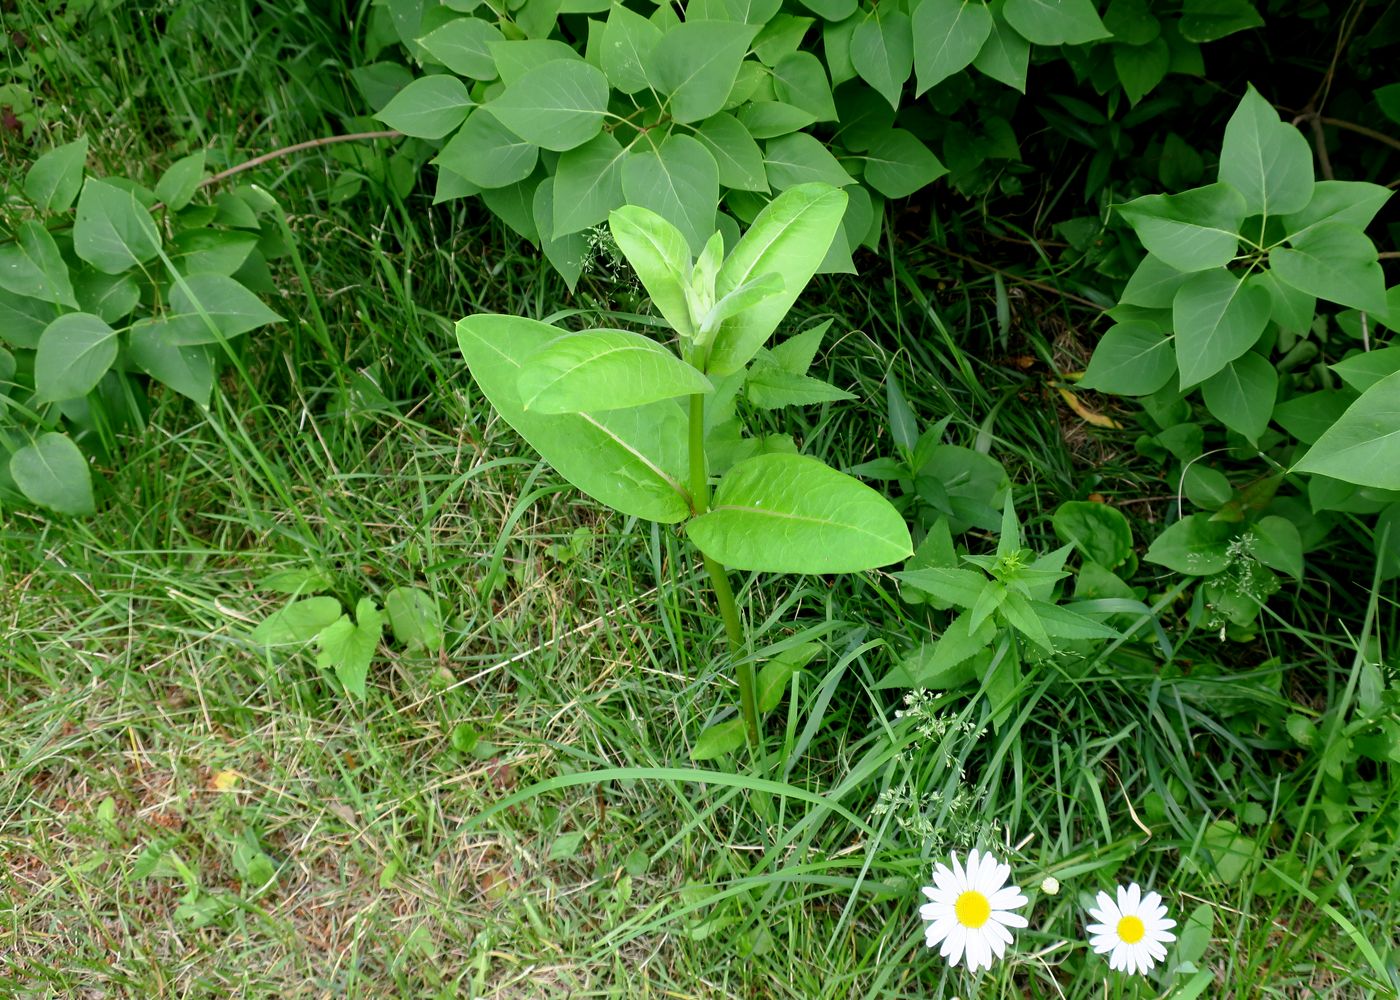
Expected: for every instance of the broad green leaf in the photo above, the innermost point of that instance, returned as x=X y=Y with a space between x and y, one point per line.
x=32 y=266
x=1363 y=446
x=1097 y=530
x=567 y=251
x=1218 y=316
x=718 y=740
x=679 y=180
x=1141 y=68
x=802 y=158
x=836 y=47
x=463 y=45
x=1335 y=262
x=800 y=79
x=1209 y=20
x=1153 y=285
x=960 y=587
x=487 y=153
x=1055 y=22
x=452 y=185
x=1352 y=203
x=211 y=251
x=1195 y=546
x=695 y=65
x=1364 y=369
x=23 y=319
x=1005 y=56
x=187 y=370
x=414 y=618
x=180 y=181
x=53 y=473
x=634 y=461
x=1241 y=395
x=1192 y=231
x=1065 y=623
x=54 y=180
x=1275 y=542
x=628 y=42
x=587 y=184
x=659 y=254
x=781 y=37
x=1265 y=159
x=113 y=230
x=1309 y=416
x=348 y=647
x=558 y=105
x=776 y=674
x=297 y=580
x=789 y=238
x=429 y=107
x=898 y=164
x=603 y=370
x=1132 y=359
x=832 y=10
x=298 y=622
x=793 y=514
x=1291 y=308
x=882 y=51
x=746 y=296
x=766 y=119
x=517 y=56
x=771 y=388
x=738 y=157
x=74 y=353
x=948 y=35
x=1132 y=22
x=1205 y=487
x=200 y=300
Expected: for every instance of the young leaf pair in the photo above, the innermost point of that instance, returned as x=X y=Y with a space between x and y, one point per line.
x=604 y=407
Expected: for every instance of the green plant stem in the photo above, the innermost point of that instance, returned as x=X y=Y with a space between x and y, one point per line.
x=719 y=578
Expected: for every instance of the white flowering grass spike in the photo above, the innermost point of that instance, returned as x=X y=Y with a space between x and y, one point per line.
x=969 y=910
x=1133 y=931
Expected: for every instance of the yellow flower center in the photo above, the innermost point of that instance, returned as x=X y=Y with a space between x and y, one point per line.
x=1131 y=930
x=972 y=909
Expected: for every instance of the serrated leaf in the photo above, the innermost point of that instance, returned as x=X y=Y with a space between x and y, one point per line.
x=298 y=622
x=960 y=587
x=1218 y=317
x=429 y=107
x=793 y=514
x=53 y=473
x=771 y=388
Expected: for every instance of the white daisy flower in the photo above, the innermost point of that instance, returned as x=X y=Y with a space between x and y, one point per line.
x=1133 y=932
x=969 y=910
